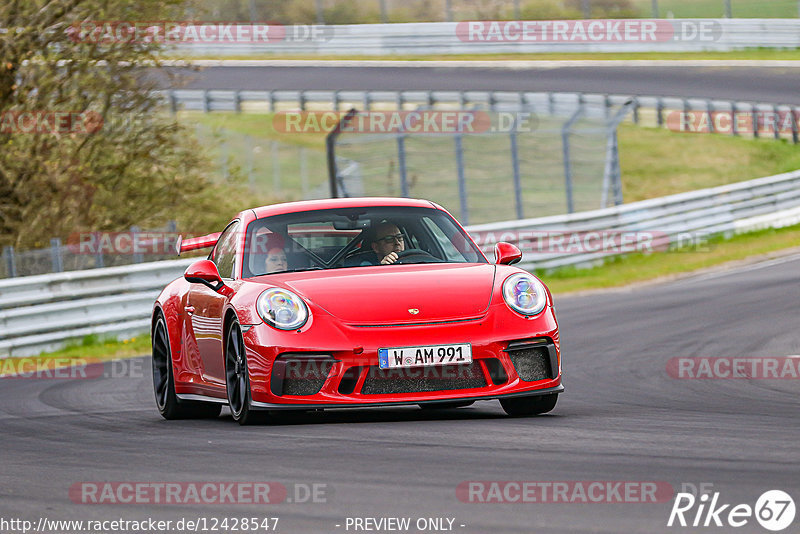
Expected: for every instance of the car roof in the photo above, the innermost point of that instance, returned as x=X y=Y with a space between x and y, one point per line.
x=333 y=203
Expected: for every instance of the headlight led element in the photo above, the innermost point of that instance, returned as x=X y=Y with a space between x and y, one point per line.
x=282 y=309
x=524 y=294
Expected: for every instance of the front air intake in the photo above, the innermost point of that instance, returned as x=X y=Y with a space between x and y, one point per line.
x=300 y=374
x=534 y=360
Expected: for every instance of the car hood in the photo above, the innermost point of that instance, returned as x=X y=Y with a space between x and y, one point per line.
x=391 y=294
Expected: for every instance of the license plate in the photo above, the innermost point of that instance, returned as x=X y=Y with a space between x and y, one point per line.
x=399 y=357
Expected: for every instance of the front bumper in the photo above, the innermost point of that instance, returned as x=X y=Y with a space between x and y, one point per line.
x=512 y=356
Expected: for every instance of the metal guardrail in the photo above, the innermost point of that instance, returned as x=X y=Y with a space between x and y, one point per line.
x=442 y=38
x=39 y=313
x=678 y=114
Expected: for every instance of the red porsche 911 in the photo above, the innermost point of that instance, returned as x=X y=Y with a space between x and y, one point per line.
x=351 y=303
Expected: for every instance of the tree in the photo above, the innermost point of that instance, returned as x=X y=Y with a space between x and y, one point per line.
x=84 y=142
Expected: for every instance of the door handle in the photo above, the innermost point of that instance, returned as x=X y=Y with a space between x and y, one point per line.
x=189 y=309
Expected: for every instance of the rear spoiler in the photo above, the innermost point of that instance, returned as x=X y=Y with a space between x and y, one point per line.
x=194 y=243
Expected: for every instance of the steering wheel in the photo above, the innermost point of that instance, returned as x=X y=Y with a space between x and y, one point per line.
x=416 y=255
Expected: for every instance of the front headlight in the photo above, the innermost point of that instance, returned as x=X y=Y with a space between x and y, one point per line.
x=282 y=309
x=525 y=294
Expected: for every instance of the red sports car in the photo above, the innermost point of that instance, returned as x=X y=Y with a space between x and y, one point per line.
x=350 y=303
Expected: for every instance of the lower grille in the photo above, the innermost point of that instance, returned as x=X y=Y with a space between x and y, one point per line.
x=420 y=379
x=532 y=364
x=299 y=375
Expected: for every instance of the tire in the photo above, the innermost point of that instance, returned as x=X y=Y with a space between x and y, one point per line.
x=446 y=405
x=237 y=379
x=169 y=405
x=532 y=405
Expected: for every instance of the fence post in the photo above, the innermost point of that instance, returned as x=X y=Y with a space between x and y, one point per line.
x=660 y=112
x=635 y=110
x=56 y=257
x=776 y=122
x=710 y=116
x=448 y=10
x=655 y=8
x=137 y=255
x=793 y=111
x=11 y=262
x=320 y=14
x=462 y=182
x=304 y=171
x=515 y=169
x=517 y=14
x=276 y=167
x=206 y=101
x=335 y=101
x=565 y=131
x=587 y=9
x=366 y=100
x=401 y=163
x=173 y=101
x=728 y=11
x=754 y=119
x=734 y=126
x=237 y=101
x=384 y=18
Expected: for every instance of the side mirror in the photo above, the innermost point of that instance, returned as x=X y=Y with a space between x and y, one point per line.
x=506 y=254
x=204 y=272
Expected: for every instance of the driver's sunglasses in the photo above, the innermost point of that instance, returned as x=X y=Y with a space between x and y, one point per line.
x=390 y=239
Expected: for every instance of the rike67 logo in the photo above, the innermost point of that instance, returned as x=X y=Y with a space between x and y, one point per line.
x=774 y=510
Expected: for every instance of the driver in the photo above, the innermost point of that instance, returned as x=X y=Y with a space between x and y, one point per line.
x=388 y=242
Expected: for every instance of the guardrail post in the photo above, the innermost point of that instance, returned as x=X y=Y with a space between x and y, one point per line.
x=206 y=101
x=515 y=169
x=11 y=261
x=793 y=111
x=734 y=125
x=462 y=181
x=551 y=104
x=302 y=100
x=635 y=110
x=237 y=101
x=462 y=99
x=431 y=100
x=173 y=101
x=335 y=100
x=399 y=101
x=137 y=255
x=271 y=100
x=492 y=101
x=366 y=101
x=607 y=105
x=56 y=257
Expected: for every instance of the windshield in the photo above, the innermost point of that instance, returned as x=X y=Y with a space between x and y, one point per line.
x=354 y=237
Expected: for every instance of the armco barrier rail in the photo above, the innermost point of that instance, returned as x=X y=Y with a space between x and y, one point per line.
x=437 y=38
x=678 y=114
x=40 y=313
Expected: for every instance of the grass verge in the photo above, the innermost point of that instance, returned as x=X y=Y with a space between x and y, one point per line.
x=89 y=349
x=632 y=268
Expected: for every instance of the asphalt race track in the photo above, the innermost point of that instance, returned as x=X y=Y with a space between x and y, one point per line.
x=776 y=85
x=622 y=418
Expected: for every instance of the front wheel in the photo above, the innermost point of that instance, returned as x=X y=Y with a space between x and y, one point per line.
x=237 y=379
x=532 y=405
x=169 y=406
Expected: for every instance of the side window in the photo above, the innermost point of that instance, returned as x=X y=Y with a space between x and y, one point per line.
x=224 y=254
